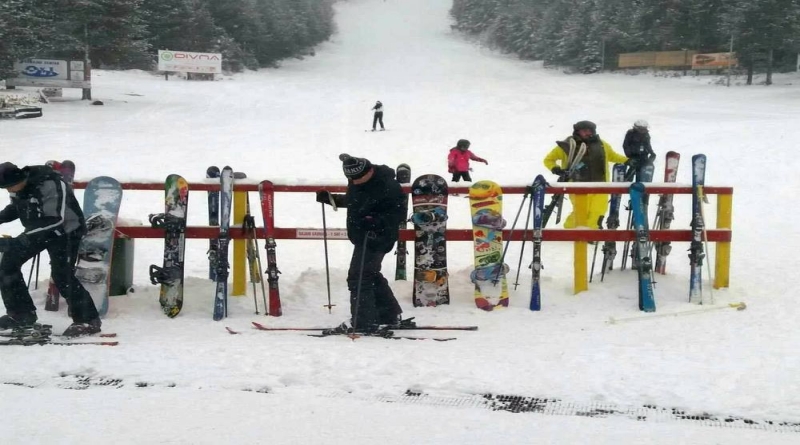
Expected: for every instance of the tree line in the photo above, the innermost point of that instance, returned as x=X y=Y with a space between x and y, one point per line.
x=124 y=34
x=587 y=35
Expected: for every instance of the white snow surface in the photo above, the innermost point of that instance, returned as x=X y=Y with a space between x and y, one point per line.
x=289 y=125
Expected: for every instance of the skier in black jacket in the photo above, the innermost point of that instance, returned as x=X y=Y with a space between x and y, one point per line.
x=638 y=150
x=53 y=220
x=375 y=209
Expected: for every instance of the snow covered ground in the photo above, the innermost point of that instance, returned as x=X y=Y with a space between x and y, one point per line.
x=186 y=380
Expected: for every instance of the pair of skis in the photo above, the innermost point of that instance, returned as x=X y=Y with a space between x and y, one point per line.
x=385 y=332
x=218 y=252
x=41 y=334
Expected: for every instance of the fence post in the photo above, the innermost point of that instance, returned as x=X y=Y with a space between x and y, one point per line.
x=722 y=262
x=580 y=203
x=239 y=247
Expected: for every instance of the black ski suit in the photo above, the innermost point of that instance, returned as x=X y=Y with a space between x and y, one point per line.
x=54 y=221
x=374 y=212
x=639 y=152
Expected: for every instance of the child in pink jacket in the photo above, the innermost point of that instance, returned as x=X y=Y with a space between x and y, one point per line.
x=458 y=161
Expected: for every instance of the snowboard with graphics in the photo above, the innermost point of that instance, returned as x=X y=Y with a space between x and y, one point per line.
x=489 y=276
x=101 y=202
x=173 y=221
x=429 y=215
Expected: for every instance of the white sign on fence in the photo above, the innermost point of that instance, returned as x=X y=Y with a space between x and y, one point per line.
x=187 y=62
x=50 y=73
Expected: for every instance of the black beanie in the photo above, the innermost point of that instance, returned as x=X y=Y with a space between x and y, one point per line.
x=11 y=175
x=354 y=168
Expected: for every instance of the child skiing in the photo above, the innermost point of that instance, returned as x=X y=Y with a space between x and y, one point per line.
x=458 y=161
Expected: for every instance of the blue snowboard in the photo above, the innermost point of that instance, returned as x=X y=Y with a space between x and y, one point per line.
x=101 y=202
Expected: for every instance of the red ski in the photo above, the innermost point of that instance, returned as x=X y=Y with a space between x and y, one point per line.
x=266 y=192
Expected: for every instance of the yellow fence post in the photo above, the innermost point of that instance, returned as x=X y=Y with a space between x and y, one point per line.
x=239 y=247
x=722 y=263
x=580 y=203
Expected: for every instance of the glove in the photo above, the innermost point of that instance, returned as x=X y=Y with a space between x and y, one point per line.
x=558 y=171
x=324 y=197
x=484 y=161
x=451 y=169
x=8 y=244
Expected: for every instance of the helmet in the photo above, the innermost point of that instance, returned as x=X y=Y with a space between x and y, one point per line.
x=463 y=143
x=641 y=123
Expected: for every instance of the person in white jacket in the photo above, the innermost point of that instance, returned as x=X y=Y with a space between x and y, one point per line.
x=378 y=116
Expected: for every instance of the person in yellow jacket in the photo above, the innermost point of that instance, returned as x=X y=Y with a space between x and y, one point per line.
x=592 y=167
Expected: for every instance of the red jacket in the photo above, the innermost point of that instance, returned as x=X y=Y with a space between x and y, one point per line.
x=458 y=160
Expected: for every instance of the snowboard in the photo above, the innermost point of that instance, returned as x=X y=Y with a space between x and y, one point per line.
x=266 y=192
x=67 y=170
x=213 y=220
x=429 y=207
x=403 y=177
x=222 y=266
x=489 y=276
x=101 y=202
x=173 y=221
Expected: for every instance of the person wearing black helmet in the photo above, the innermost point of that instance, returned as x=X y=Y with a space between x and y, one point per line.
x=53 y=220
x=458 y=160
x=378 y=115
x=638 y=149
x=590 y=159
x=375 y=208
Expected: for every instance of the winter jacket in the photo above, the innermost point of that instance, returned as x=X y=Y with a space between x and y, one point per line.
x=458 y=160
x=378 y=108
x=377 y=205
x=46 y=206
x=594 y=164
x=637 y=146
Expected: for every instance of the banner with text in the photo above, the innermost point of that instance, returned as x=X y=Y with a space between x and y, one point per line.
x=187 y=62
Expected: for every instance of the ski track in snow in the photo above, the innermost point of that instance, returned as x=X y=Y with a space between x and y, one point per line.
x=288 y=125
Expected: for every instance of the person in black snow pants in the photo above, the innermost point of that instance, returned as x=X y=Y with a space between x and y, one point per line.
x=53 y=221
x=378 y=116
x=375 y=208
x=638 y=150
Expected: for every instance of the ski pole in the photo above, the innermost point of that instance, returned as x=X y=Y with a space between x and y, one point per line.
x=594 y=258
x=33 y=265
x=702 y=200
x=626 y=245
x=508 y=241
x=327 y=268
x=369 y=235
x=524 y=240
x=248 y=224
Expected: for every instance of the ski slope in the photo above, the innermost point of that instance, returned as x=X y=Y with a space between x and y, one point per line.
x=186 y=380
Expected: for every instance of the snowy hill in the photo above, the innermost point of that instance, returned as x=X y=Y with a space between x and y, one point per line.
x=186 y=380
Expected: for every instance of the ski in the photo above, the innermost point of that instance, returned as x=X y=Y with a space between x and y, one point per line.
x=539 y=185
x=221 y=288
x=612 y=222
x=574 y=163
x=383 y=336
x=644 y=264
x=403 y=177
x=266 y=193
x=262 y=327
x=173 y=221
x=645 y=176
x=213 y=220
x=67 y=170
x=696 y=252
x=18 y=342
x=666 y=212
